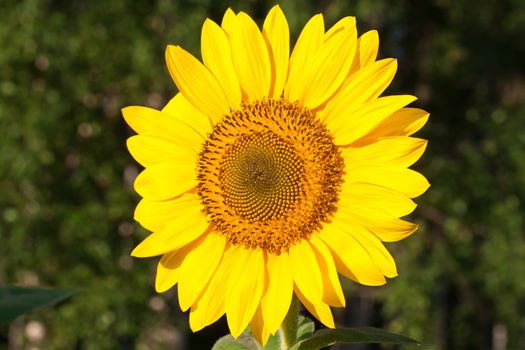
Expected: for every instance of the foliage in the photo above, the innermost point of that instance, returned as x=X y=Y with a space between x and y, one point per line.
x=16 y=301
x=66 y=200
x=305 y=340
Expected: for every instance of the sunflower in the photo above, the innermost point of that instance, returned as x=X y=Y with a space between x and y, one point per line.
x=269 y=173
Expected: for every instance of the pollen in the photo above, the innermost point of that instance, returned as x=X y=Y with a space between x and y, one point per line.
x=269 y=175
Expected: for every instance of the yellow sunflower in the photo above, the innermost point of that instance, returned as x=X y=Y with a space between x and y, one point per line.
x=270 y=173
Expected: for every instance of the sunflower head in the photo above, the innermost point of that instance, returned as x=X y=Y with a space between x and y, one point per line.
x=269 y=173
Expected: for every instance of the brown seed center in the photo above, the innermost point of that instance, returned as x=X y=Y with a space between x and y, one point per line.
x=269 y=175
x=262 y=176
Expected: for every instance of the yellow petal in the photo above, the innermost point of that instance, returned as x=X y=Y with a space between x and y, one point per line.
x=259 y=328
x=250 y=57
x=347 y=22
x=370 y=243
x=216 y=55
x=307 y=45
x=405 y=181
x=333 y=293
x=166 y=180
x=178 y=107
x=306 y=272
x=366 y=53
x=278 y=296
x=385 y=226
x=404 y=122
x=210 y=306
x=228 y=21
x=154 y=215
x=277 y=37
x=150 y=122
x=245 y=289
x=196 y=83
x=325 y=74
x=363 y=86
x=354 y=194
x=351 y=259
x=187 y=226
x=352 y=124
x=168 y=270
x=319 y=309
x=368 y=47
x=392 y=230
x=149 y=150
x=390 y=151
x=376 y=249
x=198 y=266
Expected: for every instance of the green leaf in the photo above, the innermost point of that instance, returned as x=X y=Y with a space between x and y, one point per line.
x=244 y=342
x=274 y=342
x=305 y=329
x=15 y=301
x=327 y=337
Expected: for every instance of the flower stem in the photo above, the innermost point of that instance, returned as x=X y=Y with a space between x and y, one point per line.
x=288 y=328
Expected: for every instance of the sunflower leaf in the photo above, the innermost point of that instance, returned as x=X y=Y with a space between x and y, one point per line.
x=305 y=328
x=244 y=342
x=327 y=337
x=16 y=301
x=274 y=342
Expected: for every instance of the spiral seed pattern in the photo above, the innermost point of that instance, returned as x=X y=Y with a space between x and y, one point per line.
x=269 y=175
x=261 y=176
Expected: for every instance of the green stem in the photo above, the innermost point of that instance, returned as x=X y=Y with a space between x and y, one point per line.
x=288 y=330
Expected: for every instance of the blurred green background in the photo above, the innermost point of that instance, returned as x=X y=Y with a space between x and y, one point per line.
x=66 y=200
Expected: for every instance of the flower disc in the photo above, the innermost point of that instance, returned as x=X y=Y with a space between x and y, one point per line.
x=269 y=175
